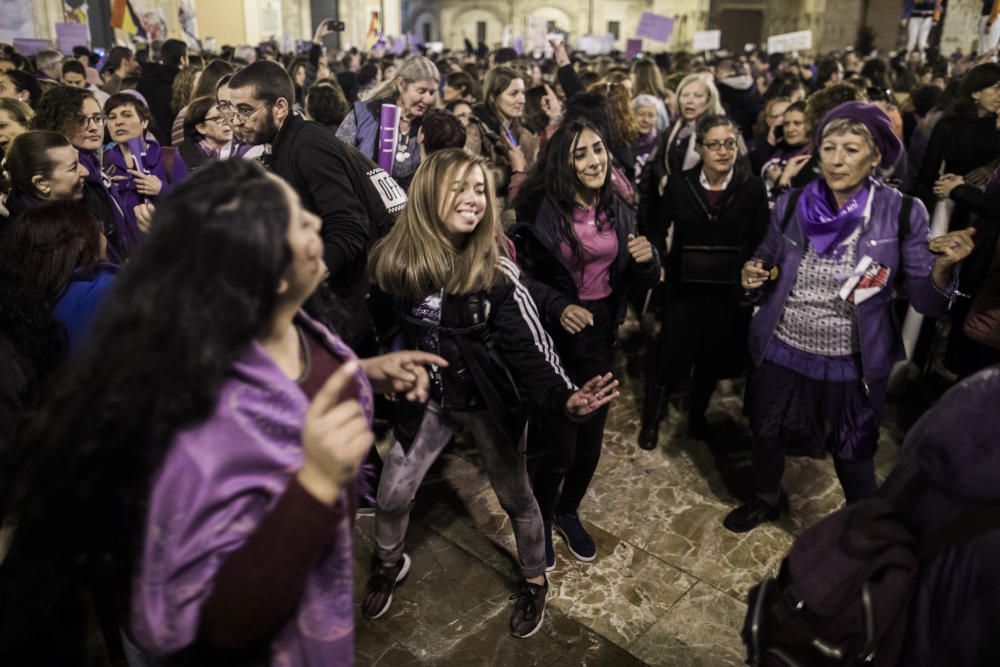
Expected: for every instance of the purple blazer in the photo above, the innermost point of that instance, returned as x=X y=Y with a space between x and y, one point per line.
x=114 y=166
x=878 y=329
x=218 y=480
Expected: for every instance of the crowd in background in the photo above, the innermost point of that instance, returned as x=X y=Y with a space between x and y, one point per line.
x=210 y=291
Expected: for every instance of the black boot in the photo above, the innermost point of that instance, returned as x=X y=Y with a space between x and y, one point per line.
x=653 y=411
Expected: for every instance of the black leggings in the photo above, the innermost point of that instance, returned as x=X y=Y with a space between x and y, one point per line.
x=572 y=449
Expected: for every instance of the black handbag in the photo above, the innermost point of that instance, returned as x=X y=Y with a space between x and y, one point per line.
x=711 y=265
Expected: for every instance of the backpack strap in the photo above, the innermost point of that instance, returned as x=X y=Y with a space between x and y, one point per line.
x=793 y=200
x=904 y=216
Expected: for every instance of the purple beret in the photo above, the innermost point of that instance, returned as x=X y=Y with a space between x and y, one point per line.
x=136 y=94
x=877 y=122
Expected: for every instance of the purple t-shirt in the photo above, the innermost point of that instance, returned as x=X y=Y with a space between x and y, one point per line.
x=599 y=249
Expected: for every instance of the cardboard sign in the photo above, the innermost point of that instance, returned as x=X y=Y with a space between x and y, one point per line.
x=633 y=47
x=536 y=33
x=790 y=41
x=707 y=40
x=29 y=47
x=434 y=47
x=69 y=35
x=594 y=45
x=655 y=27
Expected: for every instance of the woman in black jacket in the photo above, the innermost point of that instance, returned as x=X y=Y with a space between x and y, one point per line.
x=719 y=213
x=455 y=293
x=579 y=247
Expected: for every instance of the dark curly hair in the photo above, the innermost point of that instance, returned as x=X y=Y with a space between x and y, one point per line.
x=326 y=104
x=59 y=109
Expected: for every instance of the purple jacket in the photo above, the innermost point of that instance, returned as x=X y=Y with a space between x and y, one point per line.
x=217 y=482
x=154 y=163
x=956 y=602
x=878 y=328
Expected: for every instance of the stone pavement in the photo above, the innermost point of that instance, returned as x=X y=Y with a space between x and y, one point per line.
x=669 y=582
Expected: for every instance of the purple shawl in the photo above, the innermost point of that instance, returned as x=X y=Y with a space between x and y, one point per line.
x=217 y=482
x=822 y=223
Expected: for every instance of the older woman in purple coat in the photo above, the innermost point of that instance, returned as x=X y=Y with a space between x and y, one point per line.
x=824 y=336
x=193 y=475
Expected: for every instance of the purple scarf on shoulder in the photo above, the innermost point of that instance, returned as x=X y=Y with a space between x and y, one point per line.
x=822 y=223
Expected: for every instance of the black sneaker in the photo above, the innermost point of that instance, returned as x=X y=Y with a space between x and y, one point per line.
x=578 y=540
x=380 y=585
x=550 y=552
x=747 y=517
x=529 y=609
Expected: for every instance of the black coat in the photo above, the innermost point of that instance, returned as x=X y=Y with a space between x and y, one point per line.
x=550 y=279
x=500 y=359
x=960 y=145
x=156 y=85
x=355 y=199
x=743 y=106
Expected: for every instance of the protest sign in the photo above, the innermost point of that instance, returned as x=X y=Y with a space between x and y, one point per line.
x=707 y=40
x=655 y=27
x=790 y=41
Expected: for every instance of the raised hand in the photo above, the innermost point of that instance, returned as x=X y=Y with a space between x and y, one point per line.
x=402 y=372
x=596 y=393
x=335 y=438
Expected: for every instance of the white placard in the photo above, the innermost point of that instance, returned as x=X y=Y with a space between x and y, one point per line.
x=535 y=33
x=790 y=41
x=707 y=40
x=434 y=47
x=594 y=45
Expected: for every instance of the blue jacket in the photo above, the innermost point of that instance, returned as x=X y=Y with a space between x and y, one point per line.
x=878 y=327
x=81 y=300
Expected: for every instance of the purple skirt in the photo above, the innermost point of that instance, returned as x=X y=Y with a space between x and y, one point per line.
x=800 y=399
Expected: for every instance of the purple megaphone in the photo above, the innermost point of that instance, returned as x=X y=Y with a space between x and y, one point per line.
x=387 y=136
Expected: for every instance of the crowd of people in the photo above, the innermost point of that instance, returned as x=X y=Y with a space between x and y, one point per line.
x=212 y=285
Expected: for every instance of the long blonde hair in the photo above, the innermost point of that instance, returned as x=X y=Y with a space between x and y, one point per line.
x=413 y=69
x=417 y=257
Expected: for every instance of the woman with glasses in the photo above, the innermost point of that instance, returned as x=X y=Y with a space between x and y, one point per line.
x=75 y=113
x=718 y=213
x=142 y=171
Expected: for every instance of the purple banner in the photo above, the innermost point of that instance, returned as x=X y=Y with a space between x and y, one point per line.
x=387 y=136
x=632 y=48
x=519 y=45
x=656 y=27
x=69 y=35
x=29 y=47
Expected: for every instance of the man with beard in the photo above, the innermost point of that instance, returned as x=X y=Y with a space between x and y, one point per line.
x=354 y=198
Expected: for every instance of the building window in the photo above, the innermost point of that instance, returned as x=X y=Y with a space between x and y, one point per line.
x=614 y=28
x=481 y=31
x=427 y=32
x=551 y=26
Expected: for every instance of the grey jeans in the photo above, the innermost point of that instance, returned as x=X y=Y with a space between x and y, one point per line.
x=505 y=466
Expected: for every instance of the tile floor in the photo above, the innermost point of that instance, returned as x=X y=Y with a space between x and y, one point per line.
x=668 y=585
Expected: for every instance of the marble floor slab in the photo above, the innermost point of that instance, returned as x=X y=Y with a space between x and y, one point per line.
x=669 y=582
